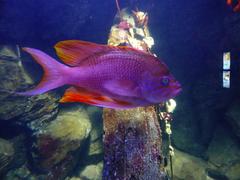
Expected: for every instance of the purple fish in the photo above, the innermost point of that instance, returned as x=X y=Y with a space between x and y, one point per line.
x=105 y=76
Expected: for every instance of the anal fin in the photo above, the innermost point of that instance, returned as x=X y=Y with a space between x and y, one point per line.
x=74 y=94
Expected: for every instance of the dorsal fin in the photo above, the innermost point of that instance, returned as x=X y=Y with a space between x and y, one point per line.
x=72 y=52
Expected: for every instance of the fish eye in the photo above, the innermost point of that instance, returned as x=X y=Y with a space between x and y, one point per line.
x=165 y=81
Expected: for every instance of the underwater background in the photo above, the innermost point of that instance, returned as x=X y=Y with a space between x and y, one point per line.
x=42 y=139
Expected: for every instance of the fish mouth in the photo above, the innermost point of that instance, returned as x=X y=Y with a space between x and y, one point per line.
x=177 y=86
x=177 y=89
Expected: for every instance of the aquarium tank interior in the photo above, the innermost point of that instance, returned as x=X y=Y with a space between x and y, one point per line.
x=119 y=90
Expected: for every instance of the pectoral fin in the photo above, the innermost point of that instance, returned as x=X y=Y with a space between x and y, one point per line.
x=123 y=88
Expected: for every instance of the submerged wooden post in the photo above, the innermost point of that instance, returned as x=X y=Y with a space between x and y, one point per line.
x=132 y=144
x=132 y=139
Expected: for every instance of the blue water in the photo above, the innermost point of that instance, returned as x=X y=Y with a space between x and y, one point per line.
x=190 y=37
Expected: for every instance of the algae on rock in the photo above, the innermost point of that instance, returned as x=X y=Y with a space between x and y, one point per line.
x=70 y=125
x=61 y=138
x=95 y=144
x=14 y=78
x=92 y=172
x=6 y=155
x=186 y=166
x=224 y=153
x=233 y=117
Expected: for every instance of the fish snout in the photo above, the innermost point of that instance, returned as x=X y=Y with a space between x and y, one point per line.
x=177 y=88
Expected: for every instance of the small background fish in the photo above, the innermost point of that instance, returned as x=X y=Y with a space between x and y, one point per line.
x=235 y=4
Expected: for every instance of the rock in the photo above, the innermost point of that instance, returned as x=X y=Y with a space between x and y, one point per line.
x=185 y=133
x=24 y=172
x=12 y=52
x=14 y=147
x=14 y=78
x=96 y=144
x=224 y=153
x=233 y=117
x=186 y=166
x=56 y=145
x=13 y=75
x=89 y=172
x=96 y=139
x=71 y=124
x=199 y=111
x=20 y=148
x=73 y=178
x=233 y=172
x=92 y=155
x=92 y=172
x=59 y=141
x=6 y=155
x=25 y=109
x=215 y=174
x=222 y=159
x=20 y=173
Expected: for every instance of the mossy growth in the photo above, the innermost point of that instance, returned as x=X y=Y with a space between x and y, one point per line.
x=71 y=124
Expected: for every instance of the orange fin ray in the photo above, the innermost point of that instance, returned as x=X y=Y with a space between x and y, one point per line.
x=74 y=52
x=73 y=94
